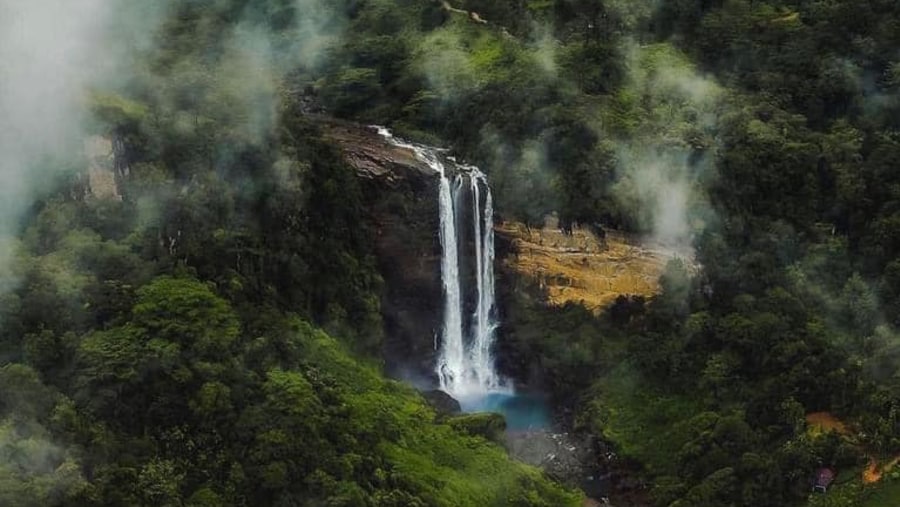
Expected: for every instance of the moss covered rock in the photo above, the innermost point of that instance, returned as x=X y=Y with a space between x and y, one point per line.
x=488 y=425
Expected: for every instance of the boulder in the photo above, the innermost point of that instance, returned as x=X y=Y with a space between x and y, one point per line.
x=443 y=403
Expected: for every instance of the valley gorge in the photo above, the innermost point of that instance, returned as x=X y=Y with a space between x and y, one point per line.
x=451 y=356
x=449 y=253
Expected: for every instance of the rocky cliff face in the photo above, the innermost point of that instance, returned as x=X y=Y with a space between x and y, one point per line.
x=106 y=165
x=549 y=267
x=401 y=197
x=581 y=267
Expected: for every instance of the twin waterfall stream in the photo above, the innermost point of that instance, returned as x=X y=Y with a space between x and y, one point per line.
x=465 y=363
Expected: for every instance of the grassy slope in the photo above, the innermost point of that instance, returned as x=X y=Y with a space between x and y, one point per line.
x=452 y=468
x=643 y=424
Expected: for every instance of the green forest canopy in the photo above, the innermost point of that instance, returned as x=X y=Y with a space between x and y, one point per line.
x=166 y=349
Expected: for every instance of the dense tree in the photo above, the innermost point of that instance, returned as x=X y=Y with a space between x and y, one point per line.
x=161 y=349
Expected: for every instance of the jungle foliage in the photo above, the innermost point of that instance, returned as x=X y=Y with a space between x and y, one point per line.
x=166 y=349
x=781 y=116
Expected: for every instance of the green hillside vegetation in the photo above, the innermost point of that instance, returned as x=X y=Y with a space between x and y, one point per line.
x=173 y=348
x=144 y=371
x=780 y=117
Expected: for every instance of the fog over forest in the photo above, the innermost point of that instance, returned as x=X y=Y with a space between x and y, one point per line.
x=398 y=253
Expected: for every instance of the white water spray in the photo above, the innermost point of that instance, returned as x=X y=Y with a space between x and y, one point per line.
x=483 y=323
x=465 y=367
x=452 y=360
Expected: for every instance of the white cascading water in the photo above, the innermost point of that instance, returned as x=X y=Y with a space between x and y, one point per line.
x=452 y=361
x=464 y=370
x=483 y=324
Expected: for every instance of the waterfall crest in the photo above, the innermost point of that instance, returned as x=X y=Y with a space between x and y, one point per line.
x=465 y=364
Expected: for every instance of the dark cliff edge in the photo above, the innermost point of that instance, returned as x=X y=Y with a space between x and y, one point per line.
x=400 y=194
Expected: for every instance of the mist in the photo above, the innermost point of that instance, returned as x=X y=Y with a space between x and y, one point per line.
x=52 y=51
x=56 y=55
x=445 y=62
x=664 y=166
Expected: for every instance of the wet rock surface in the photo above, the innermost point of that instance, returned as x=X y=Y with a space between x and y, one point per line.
x=372 y=155
x=563 y=456
x=579 y=462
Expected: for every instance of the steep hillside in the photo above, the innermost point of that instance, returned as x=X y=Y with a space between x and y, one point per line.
x=197 y=304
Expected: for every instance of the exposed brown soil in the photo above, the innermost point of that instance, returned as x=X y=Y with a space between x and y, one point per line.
x=825 y=422
x=873 y=473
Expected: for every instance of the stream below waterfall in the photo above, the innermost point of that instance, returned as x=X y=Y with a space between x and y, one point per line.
x=521 y=411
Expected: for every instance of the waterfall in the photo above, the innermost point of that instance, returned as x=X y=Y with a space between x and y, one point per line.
x=452 y=361
x=465 y=364
x=483 y=325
